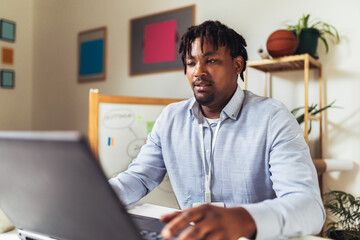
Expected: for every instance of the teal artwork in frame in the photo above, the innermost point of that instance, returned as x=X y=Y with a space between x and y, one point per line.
x=7 y=30
x=92 y=55
x=7 y=78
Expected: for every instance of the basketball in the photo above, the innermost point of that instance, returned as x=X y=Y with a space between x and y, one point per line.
x=281 y=43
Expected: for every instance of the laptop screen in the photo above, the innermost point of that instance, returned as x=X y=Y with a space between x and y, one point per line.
x=50 y=183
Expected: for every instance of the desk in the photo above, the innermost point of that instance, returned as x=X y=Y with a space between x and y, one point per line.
x=144 y=209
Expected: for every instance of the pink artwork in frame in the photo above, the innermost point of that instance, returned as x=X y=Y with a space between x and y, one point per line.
x=155 y=40
x=160 y=42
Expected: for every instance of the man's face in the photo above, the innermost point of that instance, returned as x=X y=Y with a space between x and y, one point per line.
x=212 y=74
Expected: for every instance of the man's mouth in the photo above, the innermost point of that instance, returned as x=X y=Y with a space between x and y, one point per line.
x=202 y=85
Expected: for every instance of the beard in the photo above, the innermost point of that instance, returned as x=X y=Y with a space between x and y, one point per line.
x=204 y=100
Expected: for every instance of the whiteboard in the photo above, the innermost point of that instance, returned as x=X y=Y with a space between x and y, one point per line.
x=123 y=129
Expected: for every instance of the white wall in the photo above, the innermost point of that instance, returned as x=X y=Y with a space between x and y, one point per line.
x=16 y=103
x=61 y=103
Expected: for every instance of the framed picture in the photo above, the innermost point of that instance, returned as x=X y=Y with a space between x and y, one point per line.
x=155 y=40
x=92 y=55
x=7 y=30
x=7 y=56
x=7 y=79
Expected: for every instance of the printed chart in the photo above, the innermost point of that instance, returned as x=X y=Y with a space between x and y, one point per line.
x=123 y=130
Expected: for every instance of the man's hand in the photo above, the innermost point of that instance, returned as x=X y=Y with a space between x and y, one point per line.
x=210 y=222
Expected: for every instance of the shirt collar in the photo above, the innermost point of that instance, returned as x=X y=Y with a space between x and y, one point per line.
x=231 y=110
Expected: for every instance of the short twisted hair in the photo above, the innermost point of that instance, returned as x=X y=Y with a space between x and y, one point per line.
x=216 y=33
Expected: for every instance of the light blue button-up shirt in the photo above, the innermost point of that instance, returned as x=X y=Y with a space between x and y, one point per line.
x=261 y=162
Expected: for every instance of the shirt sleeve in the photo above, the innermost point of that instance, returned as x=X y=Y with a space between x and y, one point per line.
x=145 y=172
x=298 y=208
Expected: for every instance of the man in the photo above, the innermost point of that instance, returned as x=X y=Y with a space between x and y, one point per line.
x=227 y=147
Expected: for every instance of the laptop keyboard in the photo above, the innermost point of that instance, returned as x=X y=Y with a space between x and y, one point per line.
x=149 y=228
x=149 y=235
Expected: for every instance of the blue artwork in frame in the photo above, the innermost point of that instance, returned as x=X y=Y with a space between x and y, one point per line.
x=92 y=55
x=7 y=30
x=7 y=79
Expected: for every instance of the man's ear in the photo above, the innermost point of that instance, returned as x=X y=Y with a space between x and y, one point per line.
x=238 y=64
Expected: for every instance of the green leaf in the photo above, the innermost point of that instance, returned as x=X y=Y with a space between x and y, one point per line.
x=346 y=208
x=325 y=42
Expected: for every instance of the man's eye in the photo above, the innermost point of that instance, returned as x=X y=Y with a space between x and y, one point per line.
x=190 y=63
x=211 y=60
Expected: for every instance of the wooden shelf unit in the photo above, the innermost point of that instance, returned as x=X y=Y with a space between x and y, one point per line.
x=302 y=62
x=296 y=62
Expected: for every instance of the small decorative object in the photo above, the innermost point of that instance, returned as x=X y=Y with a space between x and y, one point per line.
x=308 y=34
x=281 y=43
x=7 y=56
x=7 y=30
x=92 y=55
x=7 y=78
x=156 y=38
x=346 y=209
x=263 y=53
x=312 y=110
x=5 y=224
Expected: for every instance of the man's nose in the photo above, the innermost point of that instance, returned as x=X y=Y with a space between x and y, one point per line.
x=199 y=70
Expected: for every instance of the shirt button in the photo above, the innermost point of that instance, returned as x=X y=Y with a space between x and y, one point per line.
x=207 y=150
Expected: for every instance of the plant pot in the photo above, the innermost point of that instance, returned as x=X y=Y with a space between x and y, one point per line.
x=344 y=235
x=308 y=42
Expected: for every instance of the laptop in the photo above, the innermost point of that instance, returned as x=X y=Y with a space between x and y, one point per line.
x=52 y=187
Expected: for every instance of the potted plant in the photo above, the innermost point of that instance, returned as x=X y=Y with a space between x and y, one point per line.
x=312 y=110
x=346 y=209
x=308 y=34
